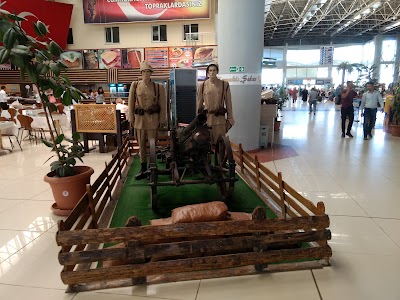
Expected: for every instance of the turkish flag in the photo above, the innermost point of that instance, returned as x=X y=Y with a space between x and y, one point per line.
x=56 y=16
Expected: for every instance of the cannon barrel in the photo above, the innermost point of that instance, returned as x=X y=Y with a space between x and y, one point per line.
x=199 y=120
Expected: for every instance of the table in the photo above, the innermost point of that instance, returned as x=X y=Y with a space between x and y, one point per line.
x=39 y=121
x=4 y=125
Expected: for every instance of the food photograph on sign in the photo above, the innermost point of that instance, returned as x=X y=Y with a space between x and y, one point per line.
x=109 y=58
x=111 y=11
x=72 y=59
x=134 y=57
x=203 y=56
x=90 y=60
x=180 y=57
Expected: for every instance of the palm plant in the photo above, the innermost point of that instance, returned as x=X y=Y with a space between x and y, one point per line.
x=345 y=67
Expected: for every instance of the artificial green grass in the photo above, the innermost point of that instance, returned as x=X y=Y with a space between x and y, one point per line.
x=135 y=198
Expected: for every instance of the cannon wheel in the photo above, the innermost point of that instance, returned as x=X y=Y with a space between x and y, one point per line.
x=153 y=173
x=226 y=164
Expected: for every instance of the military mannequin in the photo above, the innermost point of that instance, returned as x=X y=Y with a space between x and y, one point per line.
x=146 y=111
x=214 y=98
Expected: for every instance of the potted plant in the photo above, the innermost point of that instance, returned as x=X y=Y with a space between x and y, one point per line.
x=395 y=126
x=39 y=59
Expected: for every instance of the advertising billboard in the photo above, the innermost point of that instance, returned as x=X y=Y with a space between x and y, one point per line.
x=116 y=11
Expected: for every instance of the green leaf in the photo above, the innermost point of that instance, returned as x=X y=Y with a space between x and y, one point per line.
x=76 y=136
x=55 y=49
x=48 y=144
x=16 y=18
x=22 y=72
x=58 y=91
x=55 y=68
x=67 y=98
x=42 y=28
x=18 y=60
x=59 y=139
x=21 y=50
x=31 y=70
x=45 y=69
x=9 y=38
x=4 y=55
x=37 y=31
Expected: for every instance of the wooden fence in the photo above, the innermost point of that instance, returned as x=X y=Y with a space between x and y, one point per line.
x=283 y=199
x=190 y=251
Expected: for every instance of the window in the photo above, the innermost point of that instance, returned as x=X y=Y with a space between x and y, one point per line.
x=70 y=38
x=159 y=33
x=351 y=54
x=303 y=57
x=389 y=50
x=112 y=35
x=191 y=32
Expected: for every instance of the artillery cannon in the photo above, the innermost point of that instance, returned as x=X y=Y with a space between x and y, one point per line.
x=190 y=152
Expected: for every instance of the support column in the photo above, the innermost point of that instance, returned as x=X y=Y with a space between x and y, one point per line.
x=397 y=61
x=240 y=43
x=284 y=81
x=377 y=56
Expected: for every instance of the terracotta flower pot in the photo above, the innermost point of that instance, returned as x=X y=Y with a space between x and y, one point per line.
x=395 y=129
x=67 y=191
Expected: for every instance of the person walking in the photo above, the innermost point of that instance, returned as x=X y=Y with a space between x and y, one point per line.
x=369 y=107
x=304 y=94
x=347 y=109
x=312 y=99
x=147 y=104
x=294 y=95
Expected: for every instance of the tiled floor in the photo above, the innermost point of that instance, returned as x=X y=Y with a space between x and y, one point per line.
x=359 y=182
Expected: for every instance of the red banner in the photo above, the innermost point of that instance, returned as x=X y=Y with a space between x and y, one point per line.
x=111 y=11
x=56 y=16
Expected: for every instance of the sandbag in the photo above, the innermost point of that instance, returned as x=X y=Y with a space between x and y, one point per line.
x=204 y=212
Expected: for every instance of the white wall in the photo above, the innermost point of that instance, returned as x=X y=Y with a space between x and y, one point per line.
x=91 y=36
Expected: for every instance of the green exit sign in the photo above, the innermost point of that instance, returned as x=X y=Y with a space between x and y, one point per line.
x=234 y=69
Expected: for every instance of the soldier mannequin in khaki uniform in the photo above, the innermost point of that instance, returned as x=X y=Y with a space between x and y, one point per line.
x=146 y=111
x=214 y=98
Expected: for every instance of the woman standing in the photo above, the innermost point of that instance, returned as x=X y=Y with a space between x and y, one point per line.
x=100 y=96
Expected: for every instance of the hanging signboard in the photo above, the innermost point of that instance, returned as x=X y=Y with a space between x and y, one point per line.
x=112 y=11
x=157 y=57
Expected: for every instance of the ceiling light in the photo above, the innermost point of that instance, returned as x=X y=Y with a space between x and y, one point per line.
x=366 y=11
x=357 y=17
x=392 y=26
x=376 y=4
x=393 y=18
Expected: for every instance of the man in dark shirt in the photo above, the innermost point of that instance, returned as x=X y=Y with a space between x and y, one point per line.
x=347 y=108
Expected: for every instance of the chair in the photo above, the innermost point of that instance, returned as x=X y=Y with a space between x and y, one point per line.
x=26 y=124
x=39 y=105
x=10 y=133
x=60 y=108
x=13 y=113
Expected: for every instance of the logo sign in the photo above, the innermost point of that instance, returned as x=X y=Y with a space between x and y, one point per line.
x=242 y=79
x=319 y=81
x=113 y=11
x=233 y=69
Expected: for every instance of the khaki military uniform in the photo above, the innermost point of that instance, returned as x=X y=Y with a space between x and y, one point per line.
x=211 y=97
x=144 y=96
